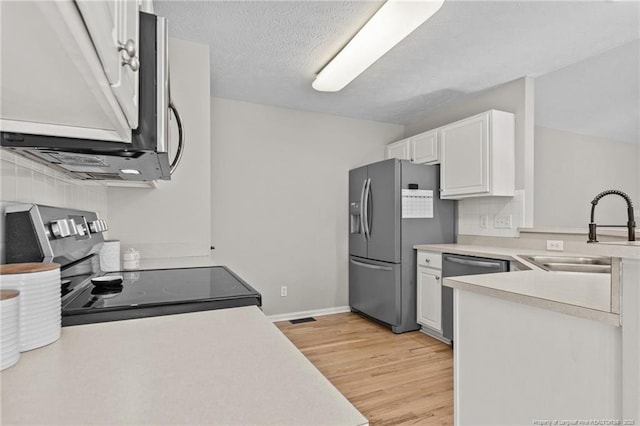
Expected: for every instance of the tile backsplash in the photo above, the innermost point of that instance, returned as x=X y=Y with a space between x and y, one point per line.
x=477 y=216
x=25 y=181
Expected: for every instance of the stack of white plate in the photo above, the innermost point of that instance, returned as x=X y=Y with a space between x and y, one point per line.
x=9 y=342
x=39 y=301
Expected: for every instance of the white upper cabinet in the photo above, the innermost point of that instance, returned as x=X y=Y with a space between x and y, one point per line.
x=113 y=28
x=477 y=156
x=424 y=148
x=420 y=149
x=62 y=70
x=400 y=150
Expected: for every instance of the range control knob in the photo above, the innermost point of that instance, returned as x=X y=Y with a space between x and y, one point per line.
x=63 y=228
x=95 y=226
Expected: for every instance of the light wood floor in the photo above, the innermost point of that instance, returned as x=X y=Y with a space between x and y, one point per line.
x=391 y=379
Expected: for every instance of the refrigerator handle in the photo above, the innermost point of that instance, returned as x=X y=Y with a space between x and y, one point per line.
x=365 y=209
x=370 y=266
x=362 y=219
x=369 y=211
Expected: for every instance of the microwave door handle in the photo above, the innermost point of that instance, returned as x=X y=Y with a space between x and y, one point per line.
x=180 y=150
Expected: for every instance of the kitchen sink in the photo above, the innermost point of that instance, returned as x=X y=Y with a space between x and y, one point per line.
x=601 y=265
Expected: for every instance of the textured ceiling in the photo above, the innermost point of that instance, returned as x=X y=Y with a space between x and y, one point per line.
x=268 y=51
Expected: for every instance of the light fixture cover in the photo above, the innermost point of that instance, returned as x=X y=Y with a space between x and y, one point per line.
x=130 y=171
x=395 y=20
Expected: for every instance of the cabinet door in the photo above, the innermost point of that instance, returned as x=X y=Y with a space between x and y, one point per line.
x=400 y=150
x=465 y=157
x=111 y=24
x=59 y=86
x=429 y=298
x=425 y=148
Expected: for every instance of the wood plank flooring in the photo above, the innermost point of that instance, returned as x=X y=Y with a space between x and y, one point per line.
x=392 y=379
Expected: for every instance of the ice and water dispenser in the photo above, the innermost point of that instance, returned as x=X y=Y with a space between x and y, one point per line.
x=354 y=215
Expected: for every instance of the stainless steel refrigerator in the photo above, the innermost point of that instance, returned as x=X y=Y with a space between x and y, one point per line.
x=384 y=225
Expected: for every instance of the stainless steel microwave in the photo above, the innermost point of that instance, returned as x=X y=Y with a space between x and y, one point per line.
x=146 y=158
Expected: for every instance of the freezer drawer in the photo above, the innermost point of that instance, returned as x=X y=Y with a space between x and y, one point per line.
x=375 y=289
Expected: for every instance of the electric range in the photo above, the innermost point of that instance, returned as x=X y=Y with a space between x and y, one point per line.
x=38 y=233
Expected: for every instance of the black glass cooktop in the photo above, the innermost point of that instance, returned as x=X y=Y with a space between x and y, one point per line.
x=159 y=292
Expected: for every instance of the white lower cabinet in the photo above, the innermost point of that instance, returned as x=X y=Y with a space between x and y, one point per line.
x=429 y=291
x=429 y=298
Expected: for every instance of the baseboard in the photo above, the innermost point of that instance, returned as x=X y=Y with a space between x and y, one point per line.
x=304 y=314
x=435 y=335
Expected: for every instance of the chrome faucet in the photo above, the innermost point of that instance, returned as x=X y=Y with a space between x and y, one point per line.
x=631 y=224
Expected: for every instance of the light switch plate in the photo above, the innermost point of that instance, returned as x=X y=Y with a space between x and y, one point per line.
x=484 y=221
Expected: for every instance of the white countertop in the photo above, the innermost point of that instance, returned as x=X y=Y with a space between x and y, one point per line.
x=503 y=253
x=579 y=294
x=583 y=295
x=229 y=366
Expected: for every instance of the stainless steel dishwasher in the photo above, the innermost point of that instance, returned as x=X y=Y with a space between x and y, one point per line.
x=455 y=265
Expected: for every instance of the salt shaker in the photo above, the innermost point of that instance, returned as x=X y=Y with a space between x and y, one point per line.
x=131 y=259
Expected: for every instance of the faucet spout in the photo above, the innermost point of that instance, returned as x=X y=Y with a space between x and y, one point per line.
x=631 y=224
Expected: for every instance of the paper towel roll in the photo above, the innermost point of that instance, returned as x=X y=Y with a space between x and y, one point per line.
x=110 y=256
x=39 y=301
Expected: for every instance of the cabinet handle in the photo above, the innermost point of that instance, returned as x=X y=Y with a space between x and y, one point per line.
x=129 y=47
x=133 y=63
x=437 y=278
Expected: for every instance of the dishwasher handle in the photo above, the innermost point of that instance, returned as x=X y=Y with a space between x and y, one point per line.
x=479 y=263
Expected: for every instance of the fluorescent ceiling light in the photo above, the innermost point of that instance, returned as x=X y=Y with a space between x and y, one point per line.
x=130 y=171
x=395 y=20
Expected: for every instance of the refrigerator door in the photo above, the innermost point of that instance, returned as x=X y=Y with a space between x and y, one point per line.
x=383 y=211
x=374 y=289
x=357 y=241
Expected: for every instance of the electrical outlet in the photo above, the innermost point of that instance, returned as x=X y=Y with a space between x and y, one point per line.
x=502 y=221
x=283 y=291
x=484 y=221
x=555 y=245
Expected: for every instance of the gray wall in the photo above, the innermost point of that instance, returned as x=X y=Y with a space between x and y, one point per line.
x=571 y=169
x=587 y=138
x=174 y=219
x=279 y=182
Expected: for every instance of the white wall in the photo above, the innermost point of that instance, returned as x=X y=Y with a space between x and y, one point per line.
x=515 y=97
x=571 y=169
x=174 y=219
x=25 y=181
x=280 y=198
